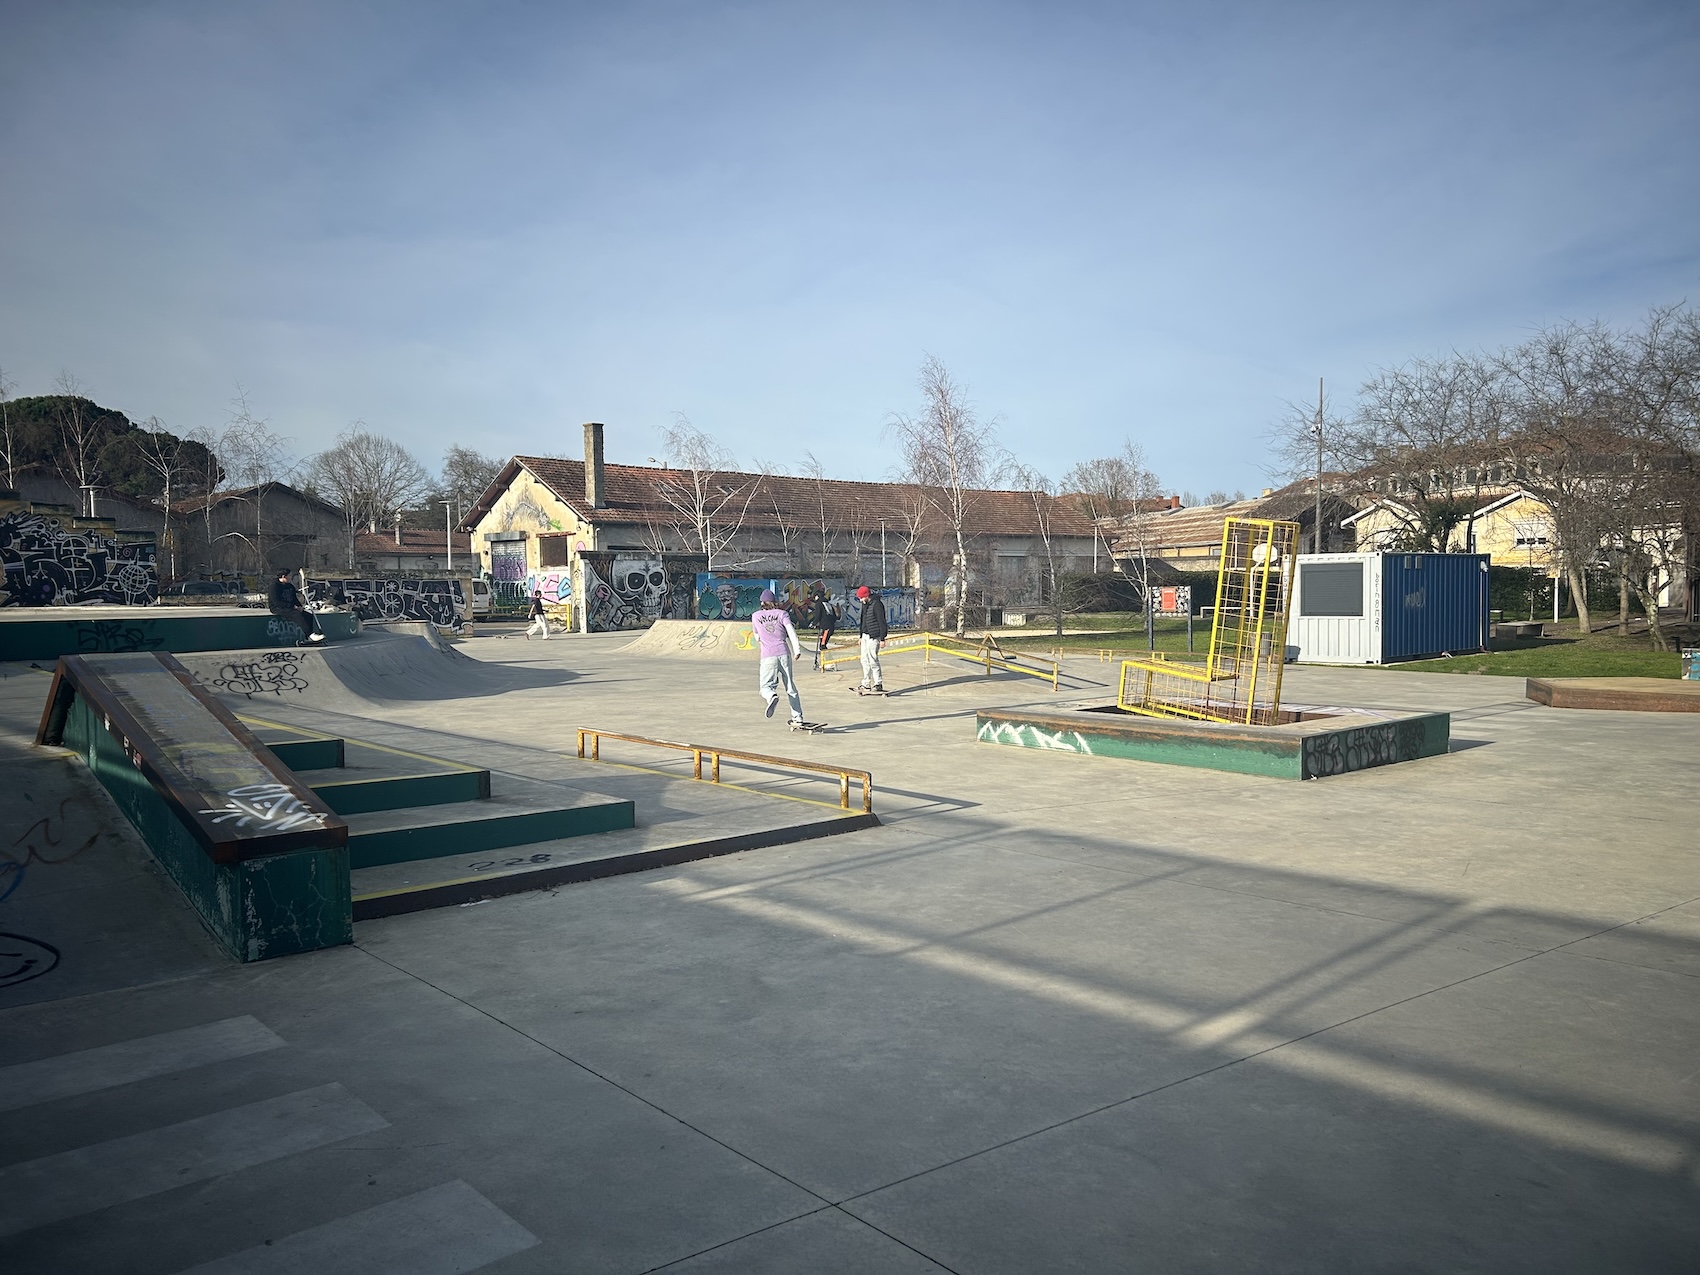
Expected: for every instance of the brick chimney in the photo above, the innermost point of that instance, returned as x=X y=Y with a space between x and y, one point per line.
x=595 y=490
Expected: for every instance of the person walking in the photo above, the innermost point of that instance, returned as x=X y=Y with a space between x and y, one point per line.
x=825 y=618
x=873 y=630
x=539 y=621
x=284 y=601
x=777 y=638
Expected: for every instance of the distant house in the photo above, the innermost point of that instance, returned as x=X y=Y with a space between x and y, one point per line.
x=1176 y=538
x=1511 y=526
x=259 y=530
x=411 y=551
x=543 y=520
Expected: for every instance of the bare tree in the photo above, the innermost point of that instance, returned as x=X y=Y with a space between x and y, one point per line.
x=1108 y=487
x=372 y=479
x=819 y=508
x=708 y=498
x=1137 y=527
x=8 y=441
x=784 y=517
x=466 y=475
x=948 y=452
x=255 y=456
x=163 y=454
x=81 y=436
x=1042 y=492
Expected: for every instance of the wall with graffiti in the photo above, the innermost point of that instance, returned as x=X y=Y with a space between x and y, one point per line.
x=737 y=598
x=625 y=592
x=555 y=584
x=50 y=559
x=441 y=602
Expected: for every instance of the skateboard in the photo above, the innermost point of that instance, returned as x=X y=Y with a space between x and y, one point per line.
x=813 y=728
x=863 y=690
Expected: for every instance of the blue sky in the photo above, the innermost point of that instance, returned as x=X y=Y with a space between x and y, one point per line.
x=488 y=223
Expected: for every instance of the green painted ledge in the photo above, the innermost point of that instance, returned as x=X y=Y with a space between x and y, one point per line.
x=1303 y=750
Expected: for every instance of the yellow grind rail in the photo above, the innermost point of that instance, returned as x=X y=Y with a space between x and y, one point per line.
x=714 y=755
x=1240 y=680
x=986 y=652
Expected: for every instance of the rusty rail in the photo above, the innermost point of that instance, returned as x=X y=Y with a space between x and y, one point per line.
x=698 y=751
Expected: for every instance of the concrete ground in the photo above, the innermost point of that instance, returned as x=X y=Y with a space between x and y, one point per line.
x=1058 y=1013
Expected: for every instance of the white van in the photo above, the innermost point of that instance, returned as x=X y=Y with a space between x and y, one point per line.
x=480 y=599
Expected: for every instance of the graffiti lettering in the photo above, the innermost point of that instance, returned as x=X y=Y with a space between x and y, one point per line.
x=1026 y=735
x=102 y=636
x=48 y=561
x=439 y=602
x=272 y=806
x=271 y=675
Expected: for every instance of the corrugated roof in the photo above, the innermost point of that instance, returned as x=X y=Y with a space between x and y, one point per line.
x=638 y=495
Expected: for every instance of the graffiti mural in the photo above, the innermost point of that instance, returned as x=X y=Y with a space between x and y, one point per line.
x=49 y=561
x=439 y=602
x=738 y=597
x=507 y=561
x=555 y=584
x=635 y=597
x=1343 y=751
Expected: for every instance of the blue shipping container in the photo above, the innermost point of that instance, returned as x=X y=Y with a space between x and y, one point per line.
x=1433 y=603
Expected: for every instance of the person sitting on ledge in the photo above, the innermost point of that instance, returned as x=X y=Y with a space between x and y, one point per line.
x=285 y=603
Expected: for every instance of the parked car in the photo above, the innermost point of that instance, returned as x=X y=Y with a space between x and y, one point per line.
x=480 y=599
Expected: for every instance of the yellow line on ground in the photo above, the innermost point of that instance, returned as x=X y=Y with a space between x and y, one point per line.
x=364 y=743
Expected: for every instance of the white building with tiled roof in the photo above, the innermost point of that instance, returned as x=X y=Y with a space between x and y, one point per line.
x=548 y=514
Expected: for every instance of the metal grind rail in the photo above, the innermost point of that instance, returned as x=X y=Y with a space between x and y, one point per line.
x=699 y=751
x=987 y=653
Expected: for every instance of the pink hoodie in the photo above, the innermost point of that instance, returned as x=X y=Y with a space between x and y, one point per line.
x=774 y=632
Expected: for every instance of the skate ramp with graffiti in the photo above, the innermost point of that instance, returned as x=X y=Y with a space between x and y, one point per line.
x=372 y=670
x=697 y=640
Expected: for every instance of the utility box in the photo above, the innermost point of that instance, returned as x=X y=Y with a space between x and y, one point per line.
x=1384 y=608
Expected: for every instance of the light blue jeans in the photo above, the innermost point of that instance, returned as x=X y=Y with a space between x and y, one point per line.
x=774 y=670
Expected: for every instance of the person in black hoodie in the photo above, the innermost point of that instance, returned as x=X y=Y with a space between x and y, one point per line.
x=285 y=602
x=824 y=618
x=873 y=630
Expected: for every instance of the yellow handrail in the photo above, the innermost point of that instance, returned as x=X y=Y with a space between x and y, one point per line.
x=699 y=751
x=988 y=653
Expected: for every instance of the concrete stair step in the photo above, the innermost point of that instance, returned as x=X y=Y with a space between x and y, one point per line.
x=517 y=812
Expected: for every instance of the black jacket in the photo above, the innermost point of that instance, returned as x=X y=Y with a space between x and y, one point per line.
x=873 y=617
x=284 y=596
x=536 y=607
x=825 y=615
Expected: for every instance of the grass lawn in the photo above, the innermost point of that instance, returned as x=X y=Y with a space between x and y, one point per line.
x=1599 y=655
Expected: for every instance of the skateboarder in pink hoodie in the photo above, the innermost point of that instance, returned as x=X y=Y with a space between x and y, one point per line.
x=779 y=648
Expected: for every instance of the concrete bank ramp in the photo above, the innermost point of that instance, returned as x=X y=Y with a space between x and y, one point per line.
x=697 y=640
x=374 y=668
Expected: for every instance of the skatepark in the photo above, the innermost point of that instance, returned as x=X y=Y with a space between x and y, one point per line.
x=1042 y=1010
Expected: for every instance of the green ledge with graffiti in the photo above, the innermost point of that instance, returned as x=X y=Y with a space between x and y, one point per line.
x=1317 y=743
x=46 y=633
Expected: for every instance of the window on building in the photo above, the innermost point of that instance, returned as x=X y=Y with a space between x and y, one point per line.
x=1331 y=588
x=552 y=551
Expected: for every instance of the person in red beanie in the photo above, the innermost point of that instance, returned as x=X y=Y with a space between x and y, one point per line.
x=873 y=630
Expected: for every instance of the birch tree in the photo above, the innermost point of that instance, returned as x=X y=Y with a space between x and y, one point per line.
x=709 y=499
x=948 y=452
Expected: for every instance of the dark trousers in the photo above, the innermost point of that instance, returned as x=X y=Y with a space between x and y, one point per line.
x=302 y=620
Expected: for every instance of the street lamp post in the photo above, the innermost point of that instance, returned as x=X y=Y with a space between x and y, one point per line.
x=1316 y=429
x=449 y=537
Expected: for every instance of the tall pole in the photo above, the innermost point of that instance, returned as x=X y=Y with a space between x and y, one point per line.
x=449 y=537
x=1316 y=539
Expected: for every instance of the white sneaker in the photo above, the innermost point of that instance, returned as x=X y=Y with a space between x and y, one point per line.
x=317 y=637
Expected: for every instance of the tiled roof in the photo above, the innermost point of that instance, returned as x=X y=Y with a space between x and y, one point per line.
x=637 y=495
x=413 y=541
x=1200 y=526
